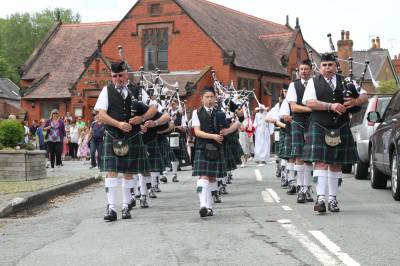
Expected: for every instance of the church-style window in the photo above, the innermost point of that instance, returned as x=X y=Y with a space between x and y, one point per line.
x=155 y=48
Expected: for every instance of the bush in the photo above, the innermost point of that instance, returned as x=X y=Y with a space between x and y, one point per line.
x=11 y=133
x=1 y=146
x=28 y=147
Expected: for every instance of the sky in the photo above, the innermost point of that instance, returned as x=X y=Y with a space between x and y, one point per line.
x=364 y=19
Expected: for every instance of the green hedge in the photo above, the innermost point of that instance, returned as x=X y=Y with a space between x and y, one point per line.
x=11 y=133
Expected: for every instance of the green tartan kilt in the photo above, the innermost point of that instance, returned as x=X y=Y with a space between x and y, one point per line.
x=316 y=150
x=154 y=152
x=136 y=161
x=230 y=153
x=237 y=149
x=285 y=143
x=181 y=153
x=204 y=167
x=167 y=153
x=299 y=129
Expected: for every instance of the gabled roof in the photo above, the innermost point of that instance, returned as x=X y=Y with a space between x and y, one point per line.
x=280 y=44
x=376 y=58
x=62 y=57
x=237 y=34
x=8 y=90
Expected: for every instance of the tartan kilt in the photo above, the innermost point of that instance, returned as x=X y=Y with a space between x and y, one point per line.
x=204 y=167
x=167 y=153
x=285 y=144
x=237 y=149
x=230 y=153
x=299 y=128
x=181 y=153
x=156 y=160
x=316 y=150
x=136 y=161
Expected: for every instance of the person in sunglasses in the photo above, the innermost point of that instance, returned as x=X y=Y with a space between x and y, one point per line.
x=329 y=143
x=115 y=106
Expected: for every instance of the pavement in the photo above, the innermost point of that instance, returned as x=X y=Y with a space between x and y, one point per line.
x=256 y=224
x=73 y=175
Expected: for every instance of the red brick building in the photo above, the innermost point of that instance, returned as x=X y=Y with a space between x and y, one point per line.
x=186 y=39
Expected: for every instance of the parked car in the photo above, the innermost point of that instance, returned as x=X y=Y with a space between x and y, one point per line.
x=385 y=147
x=362 y=130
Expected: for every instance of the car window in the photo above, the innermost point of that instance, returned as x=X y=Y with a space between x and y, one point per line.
x=382 y=104
x=357 y=118
x=393 y=107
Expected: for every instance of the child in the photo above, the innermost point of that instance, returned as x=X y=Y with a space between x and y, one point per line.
x=83 y=143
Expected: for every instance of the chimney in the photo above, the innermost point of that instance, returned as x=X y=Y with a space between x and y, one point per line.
x=396 y=63
x=345 y=50
x=373 y=44
x=378 y=42
x=287 y=20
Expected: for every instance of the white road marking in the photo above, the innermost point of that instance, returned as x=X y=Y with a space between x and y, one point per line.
x=274 y=195
x=332 y=247
x=258 y=174
x=286 y=208
x=315 y=250
x=266 y=197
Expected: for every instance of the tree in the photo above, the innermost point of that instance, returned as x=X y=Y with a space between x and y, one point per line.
x=20 y=33
x=387 y=87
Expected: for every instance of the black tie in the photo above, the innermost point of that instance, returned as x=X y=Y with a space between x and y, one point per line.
x=121 y=92
x=305 y=84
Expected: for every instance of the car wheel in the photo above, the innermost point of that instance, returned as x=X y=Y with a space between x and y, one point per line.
x=361 y=170
x=378 y=180
x=395 y=178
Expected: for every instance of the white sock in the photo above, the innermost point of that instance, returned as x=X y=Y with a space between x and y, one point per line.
x=299 y=169
x=307 y=176
x=135 y=183
x=127 y=185
x=154 y=176
x=142 y=184
x=322 y=183
x=111 y=184
x=175 y=167
x=333 y=183
x=202 y=190
x=210 y=201
x=290 y=171
x=284 y=162
x=225 y=180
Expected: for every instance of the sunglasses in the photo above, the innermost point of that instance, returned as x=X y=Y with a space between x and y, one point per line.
x=328 y=64
x=117 y=75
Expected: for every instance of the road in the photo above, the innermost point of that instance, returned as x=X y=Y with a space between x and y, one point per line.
x=256 y=224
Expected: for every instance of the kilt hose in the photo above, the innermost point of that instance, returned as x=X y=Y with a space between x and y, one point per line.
x=181 y=152
x=136 y=161
x=154 y=152
x=204 y=167
x=316 y=150
x=299 y=130
x=230 y=153
x=285 y=143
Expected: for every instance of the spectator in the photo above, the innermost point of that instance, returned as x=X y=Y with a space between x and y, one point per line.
x=55 y=135
x=73 y=143
x=67 y=138
x=96 y=134
x=84 y=144
x=79 y=123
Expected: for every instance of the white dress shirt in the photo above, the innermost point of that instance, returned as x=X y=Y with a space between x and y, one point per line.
x=102 y=101
x=195 y=117
x=291 y=95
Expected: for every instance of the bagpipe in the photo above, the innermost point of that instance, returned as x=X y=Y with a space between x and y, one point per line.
x=351 y=85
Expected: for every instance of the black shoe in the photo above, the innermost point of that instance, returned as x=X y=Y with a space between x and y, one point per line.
x=210 y=212
x=278 y=172
x=110 y=216
x=157 y=189
x=308 y=195
x=320 y=206
x=284 y=183
x=222 y=190
x=143 y=202
x=292 y=189
x=132 y=203
x=126 y=214
x=164 y=179
x=152 y=193
x=175 y=178
x=332 y=206
x=138 y=196
x=298 y=189
x=216 y=197
x=301 y=197
x=203 y=212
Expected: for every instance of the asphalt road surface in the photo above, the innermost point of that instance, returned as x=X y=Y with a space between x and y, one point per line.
x=256 y=224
